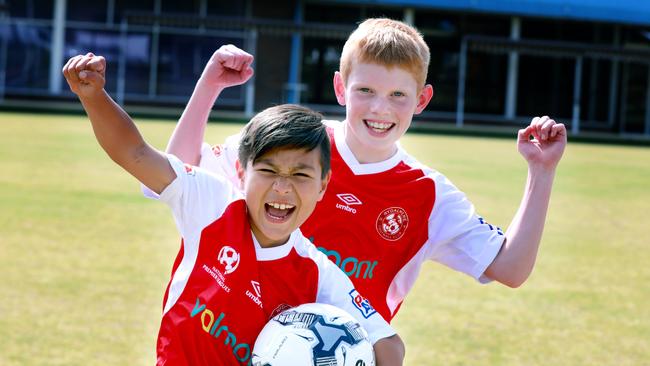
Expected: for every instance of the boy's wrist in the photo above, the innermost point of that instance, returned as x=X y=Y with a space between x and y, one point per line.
x=92 y=96
x=538 y=169
x=205 y=82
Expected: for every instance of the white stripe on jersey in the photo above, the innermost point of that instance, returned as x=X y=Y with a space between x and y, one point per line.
x=457 y=238
x=335 y=288
x=195 y=204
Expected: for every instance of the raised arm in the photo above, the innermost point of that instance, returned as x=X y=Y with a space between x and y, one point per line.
x=516 y=260
x=228 y=66
x=113 y=128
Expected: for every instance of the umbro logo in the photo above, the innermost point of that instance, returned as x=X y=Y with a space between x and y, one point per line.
x=256 y=287
x=349 y=199
x=257 y=296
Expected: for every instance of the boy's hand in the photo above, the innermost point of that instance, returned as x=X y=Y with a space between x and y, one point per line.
x=85 y=74
x=547 y=145
x=228 y=66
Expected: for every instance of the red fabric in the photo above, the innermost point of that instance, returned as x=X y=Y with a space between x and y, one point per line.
x=370 y=259
x=209 y=325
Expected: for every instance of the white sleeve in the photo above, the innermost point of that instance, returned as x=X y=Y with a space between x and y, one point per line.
x=196 y=197
x=458 y=237
x=335 y=288
x=217 y=159
x=221 y=159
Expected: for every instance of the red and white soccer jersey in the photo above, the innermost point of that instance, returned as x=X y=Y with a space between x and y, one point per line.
x=379 y=222
x=225 y=286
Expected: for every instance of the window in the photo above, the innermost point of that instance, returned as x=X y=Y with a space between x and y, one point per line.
x=226 y=8
x=41 y=9
x=185 y=6
x=124 y=6
x=28 y=62
x=181 y=61
x=81 y=10
x=332 y=14
x=320 y=61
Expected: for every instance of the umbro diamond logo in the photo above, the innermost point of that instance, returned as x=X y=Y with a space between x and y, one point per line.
x=256 y=287
x=349 y=199
x=257 y=296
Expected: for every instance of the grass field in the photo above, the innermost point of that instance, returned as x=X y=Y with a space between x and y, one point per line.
x=84 y=260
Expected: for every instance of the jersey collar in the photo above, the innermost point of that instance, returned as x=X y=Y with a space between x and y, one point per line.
x=354 y=164
x=281 y=251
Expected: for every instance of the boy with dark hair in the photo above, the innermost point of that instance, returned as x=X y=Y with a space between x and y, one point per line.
x=391 y=213
x=242 y=259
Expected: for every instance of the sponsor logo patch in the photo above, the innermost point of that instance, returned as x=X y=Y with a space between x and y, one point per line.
x=229 y=258
x=351 y=266
x=214 y=326
x=392 y=223
x=216 y=274
x=362 y=304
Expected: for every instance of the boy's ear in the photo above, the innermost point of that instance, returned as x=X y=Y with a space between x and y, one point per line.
x=324 y=183
x=424 y=98
x=339 y=88
x=240 y=173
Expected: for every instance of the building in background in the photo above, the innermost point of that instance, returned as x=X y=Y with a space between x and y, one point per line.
x=585 y=62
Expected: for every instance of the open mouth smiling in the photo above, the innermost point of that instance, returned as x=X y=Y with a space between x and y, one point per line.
x=279 y=212
x=378 y=127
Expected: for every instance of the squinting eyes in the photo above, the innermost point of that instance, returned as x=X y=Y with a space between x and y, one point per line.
x=272 y=172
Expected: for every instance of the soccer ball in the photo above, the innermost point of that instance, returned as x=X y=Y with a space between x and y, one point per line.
x=313 y=334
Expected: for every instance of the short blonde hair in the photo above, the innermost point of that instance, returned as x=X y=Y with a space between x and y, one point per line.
x=389 y=43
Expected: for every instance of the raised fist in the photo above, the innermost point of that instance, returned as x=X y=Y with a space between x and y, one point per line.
x=228 y=66
x=85 y=74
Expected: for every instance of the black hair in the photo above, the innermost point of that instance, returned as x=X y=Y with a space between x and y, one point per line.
x=286 y=126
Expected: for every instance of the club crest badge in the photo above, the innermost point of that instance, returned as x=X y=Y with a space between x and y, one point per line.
x=217 y=150
x=189 y=169
x=392 y=223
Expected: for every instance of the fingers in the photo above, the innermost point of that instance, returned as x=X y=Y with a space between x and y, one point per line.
x=524 y=134
x=234 y=58
x=69 y=70
x=558 y=131
x=534 y=127
x=84 y=70
x=544 y=128
x=97 y=64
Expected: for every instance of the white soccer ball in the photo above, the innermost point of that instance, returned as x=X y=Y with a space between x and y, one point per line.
x=313 y=334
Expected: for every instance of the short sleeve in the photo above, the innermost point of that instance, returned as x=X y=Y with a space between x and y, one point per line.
x=335 y=288
x=218 y=159
x=196 y=197
x=222 y=159
x=458 y=237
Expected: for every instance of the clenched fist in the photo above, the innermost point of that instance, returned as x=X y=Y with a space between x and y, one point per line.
x=85 y=74
x=228 y=66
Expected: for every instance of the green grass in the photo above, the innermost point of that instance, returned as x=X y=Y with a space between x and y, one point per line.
x=84 y=260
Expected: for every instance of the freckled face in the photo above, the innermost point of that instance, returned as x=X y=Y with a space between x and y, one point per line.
x=380 y=103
